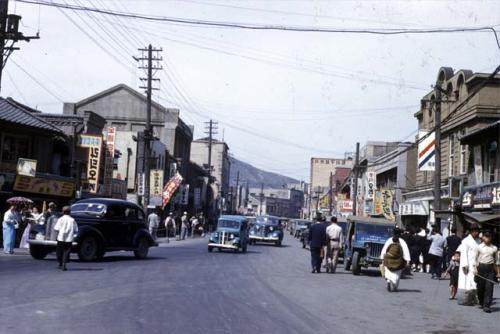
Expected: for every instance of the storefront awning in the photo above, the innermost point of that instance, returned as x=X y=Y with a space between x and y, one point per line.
x=482 y=217
x=488 y=131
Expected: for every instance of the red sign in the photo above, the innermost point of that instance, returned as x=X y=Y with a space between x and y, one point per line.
x=171 y=187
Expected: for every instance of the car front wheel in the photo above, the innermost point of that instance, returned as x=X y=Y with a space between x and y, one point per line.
x=89 y=249
x=38 y=252
x=142 y=248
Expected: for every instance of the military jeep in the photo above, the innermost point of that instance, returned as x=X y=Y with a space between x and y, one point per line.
x=365 y=239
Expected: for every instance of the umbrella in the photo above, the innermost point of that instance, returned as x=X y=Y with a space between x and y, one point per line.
x=19 y=200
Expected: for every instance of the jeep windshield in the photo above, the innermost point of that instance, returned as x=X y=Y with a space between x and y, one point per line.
x=88 y=209
x=228 y=224
x=373 y=233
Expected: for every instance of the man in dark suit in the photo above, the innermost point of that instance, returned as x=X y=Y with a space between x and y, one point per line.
x=317 y=240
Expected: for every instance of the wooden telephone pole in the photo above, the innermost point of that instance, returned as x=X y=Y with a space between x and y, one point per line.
x=9 y=32
x=149 y=62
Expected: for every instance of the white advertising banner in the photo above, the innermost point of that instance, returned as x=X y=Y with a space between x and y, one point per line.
x=370 y=186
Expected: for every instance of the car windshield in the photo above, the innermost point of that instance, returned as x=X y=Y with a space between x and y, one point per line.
x=371 y=232
x=267 y=221
x=228 y=224
x=88 y=209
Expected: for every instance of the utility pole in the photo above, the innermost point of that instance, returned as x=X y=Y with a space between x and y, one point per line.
x=147 y=58
x=261 y=199
x=330 y=194
x=237 y=199
x=437 y=172
x=9 y=32
x=211 y=130
x=356 y=175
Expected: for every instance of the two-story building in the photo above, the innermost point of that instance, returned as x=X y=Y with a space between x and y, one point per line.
x=468 y=142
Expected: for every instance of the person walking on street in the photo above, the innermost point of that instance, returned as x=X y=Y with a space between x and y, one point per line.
x=396 y=256
x=317 y=240
x=170 y=226
x=51 y=217
x=334 y=243
x=184 y=226
x=11 y=218
x=452 y=243
x=194 y=226
x=67 y=228
x=436 y=251
x=468 y=260
x=452 y=270
x=153 y=224
x=486 y=273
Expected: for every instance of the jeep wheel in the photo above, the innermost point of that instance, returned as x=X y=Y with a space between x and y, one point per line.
x=244 y=248
x=142 y=248
x=210 y=249
x=38 y=252
x=356 y=268
x=88 y=249
x=278 y=244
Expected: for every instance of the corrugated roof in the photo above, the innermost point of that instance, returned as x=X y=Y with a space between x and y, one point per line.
x=12 y=113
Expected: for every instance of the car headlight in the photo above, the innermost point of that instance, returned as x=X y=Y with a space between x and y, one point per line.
x=231 y=236
x=367 y=247
x=271 y=228
x=252 y=232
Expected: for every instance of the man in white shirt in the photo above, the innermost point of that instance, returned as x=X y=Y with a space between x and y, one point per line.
x=153 y=223
x=466 y=276
x=67 y=229
x=170 y=225
x=333 y=245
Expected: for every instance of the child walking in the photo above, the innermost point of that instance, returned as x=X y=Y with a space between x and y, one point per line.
x=452 y=270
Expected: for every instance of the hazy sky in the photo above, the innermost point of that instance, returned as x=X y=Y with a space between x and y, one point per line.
x=280 y=97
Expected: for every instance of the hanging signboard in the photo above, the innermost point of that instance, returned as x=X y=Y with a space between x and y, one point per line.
x=197 y=198
x=185 y=195
x=481 y=197
x=417 y=208
x=377 y=204
x=155 y=186
x=427 y=151
x=94 y=144
x=370 y=185
x=109 y=160
x=170 y=188
x=26 y=167
x=141 y=184
x=44 y=186
x=387 y=202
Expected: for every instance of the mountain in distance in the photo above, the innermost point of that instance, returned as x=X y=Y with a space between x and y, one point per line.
x=256 y=176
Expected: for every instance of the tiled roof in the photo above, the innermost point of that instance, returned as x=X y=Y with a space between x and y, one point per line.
x=12 y=113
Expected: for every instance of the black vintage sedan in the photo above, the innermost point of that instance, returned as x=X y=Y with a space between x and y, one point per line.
x=266 y=229
x=104 y=225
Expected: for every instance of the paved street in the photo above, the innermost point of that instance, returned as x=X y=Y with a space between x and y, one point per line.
x=183 y=289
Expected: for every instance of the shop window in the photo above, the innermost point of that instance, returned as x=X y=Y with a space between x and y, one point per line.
x=14 y=147
x=463 y=155
x=451 y=155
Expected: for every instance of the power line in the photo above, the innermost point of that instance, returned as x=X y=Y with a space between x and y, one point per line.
x=58 y=98
x=254 y=26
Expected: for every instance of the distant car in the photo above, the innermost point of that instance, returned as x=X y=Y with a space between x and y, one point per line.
x=104 y=225
x=267 y=229
x=301 y=225
x=231 y=233
x=365 y=239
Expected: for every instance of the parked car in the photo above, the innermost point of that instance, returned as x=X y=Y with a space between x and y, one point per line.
x=364 y=242
x=266 y=229
x=231 y=233
x=301 y=225
x=104 y=225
